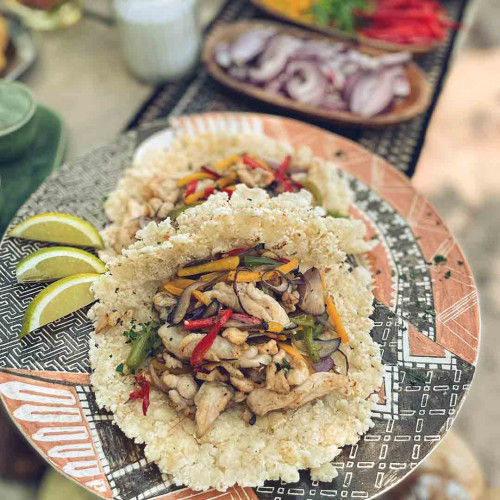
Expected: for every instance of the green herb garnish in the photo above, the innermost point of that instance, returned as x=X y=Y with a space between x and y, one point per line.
x=340 y=13
x=448 y=275
x=120 y=368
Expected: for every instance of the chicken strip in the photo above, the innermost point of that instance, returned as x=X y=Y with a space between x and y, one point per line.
x=211 y=400
x=262 y=401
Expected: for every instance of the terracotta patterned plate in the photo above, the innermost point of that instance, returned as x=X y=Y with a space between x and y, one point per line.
x=426 y=322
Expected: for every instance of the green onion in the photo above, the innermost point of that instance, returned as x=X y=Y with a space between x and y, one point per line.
x=311 y=348
x=259 y=261
x=305 y=320
x=178 y=211
x=147 y=341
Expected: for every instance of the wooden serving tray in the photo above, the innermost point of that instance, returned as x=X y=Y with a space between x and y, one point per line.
x=416 y=103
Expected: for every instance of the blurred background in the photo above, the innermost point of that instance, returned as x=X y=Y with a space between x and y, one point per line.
x=458 y=171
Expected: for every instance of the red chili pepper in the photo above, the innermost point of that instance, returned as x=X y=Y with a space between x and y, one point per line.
x=142 y=392
x=191 y=188
x=285 y=165
x=195 y=324
x=282 y=259
x=205 y=344
x=237 y=251
x=247 y=160
x=211 y=172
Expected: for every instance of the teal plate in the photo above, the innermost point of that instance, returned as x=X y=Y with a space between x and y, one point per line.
x=21 y=177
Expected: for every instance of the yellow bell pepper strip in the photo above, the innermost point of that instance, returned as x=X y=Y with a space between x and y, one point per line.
x=227 y=264
x=181 y=283
x=274 y=327
x=208 y=277
x=294 y=352
x=201 y=297
x=227 y=162
x=197 y=176
x=335 y=319
x=275 y=336
x=201 y=194
x=244 y=276
x=226 y=180
x=174 y=290
x=159 y=367
x=254 y=276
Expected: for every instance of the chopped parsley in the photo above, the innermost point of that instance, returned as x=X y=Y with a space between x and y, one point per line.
x=286 y=364
x=120 y=368
x=448 y=275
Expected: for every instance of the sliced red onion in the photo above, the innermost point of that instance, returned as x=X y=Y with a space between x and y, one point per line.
x=401 y=86
x=311 y=293
x=334 y=101
x=276 y=86
x=238 y=72
x=251 y=44
x=318 y=49
x=350 y=83
x=306 y=83
x=328 y=347
x=325 y=365
x=372 y=94
x=222 y=55
x=274 y=58
x=394 y=59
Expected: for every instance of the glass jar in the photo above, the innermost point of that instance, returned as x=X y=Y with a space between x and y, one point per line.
x=160 y=39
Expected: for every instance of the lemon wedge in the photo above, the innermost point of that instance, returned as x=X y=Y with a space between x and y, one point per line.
x=53 y=263
x=57 y=300
x=58 y=228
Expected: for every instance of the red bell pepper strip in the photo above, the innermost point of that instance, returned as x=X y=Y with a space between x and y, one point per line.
x=211 y=172
x=248 y=160
x=205 y=344
x=237 y=251
x=191 y=187
x=195 y=324
x=285 y=165
x=142 y=392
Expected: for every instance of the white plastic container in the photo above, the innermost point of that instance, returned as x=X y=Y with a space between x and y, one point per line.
x=161 y=39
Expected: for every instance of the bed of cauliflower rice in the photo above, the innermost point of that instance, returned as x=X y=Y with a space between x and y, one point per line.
x=155 y=176
x=280 y=443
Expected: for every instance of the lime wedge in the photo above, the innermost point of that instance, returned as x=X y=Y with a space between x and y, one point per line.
x=57 y=300
x=53 y=263
x=58 y=228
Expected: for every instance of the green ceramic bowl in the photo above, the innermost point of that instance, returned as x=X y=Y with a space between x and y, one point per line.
x=17 y=120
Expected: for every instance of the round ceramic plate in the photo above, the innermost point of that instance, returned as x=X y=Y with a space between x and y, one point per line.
x=426 y=321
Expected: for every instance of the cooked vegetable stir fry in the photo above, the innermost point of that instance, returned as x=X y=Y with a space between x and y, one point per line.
x=244 y=327
x=195 y=188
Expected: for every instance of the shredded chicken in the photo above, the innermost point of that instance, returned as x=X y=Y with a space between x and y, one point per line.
x=242 y=384
x=262 y=401
x=270 y=347
x=252 y=359
x=276 y=375
x=298 y=373
x=235 y=335
x=256 y=177
x=210 y=401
